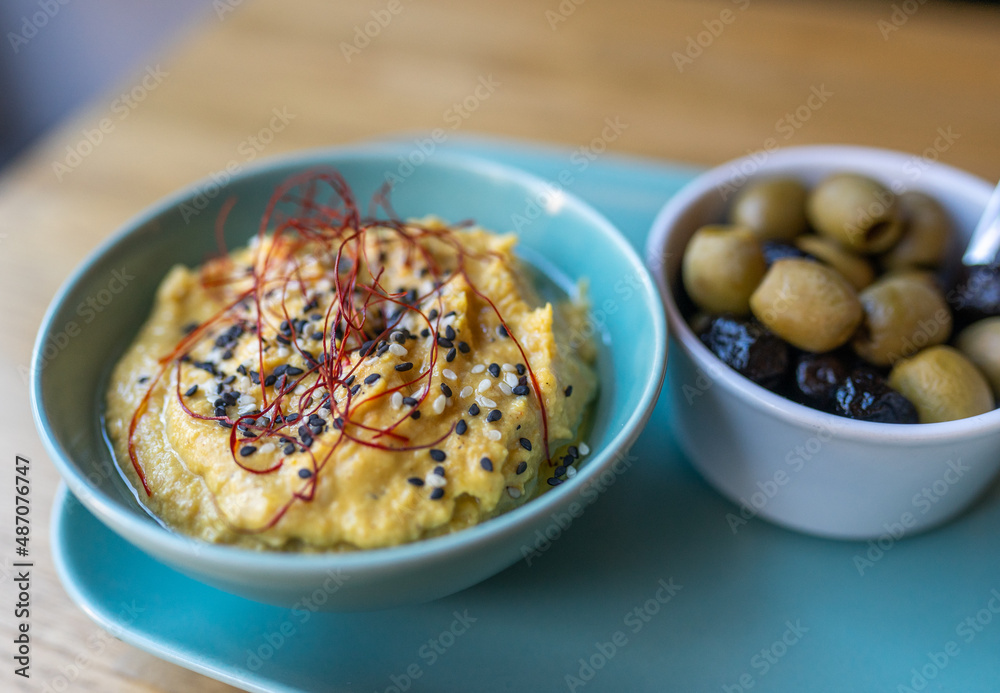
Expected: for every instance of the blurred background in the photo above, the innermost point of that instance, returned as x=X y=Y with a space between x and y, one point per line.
x=77 y=50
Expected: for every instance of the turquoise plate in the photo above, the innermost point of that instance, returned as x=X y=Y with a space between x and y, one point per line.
x=657 y=587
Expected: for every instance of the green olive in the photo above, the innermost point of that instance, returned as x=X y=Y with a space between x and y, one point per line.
x=927 y=231
x=856 y=211
x=903 y=314
x=774 y=208
x=942 y=384
x=980 y=342
x=722 y=266
x=809 y=305
x=855 y=269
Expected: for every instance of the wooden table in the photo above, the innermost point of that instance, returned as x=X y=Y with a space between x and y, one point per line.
x=697 y=82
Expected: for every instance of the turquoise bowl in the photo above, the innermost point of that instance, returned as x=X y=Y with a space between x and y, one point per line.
x=98 y=311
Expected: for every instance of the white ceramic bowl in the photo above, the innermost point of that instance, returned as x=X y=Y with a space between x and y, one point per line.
x=797 y=466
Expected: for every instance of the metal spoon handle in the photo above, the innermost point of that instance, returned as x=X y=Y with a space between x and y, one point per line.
x=985 y=241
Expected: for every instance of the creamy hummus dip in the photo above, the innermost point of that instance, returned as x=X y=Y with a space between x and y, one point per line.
x=350 y=387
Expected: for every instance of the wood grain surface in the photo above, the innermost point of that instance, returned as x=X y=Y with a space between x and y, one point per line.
x=697 y=82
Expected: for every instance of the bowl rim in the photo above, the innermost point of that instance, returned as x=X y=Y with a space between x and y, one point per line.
x=828 y=158
x=159 y=540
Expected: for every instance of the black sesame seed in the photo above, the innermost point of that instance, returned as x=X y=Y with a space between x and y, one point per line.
x=501 y=330
x=410 y=401
x=415 y=414
x=255 y=377
x=486 y=463
x=433 y=314
x=463 y=347
x=349 y=381
x=307 y=441
x=553 y=481
x=338 y=423
x=293 y=370
x=367 y=347
x=449 y=332
x=316 y=336
x=292 y=418
x=450 y=356
x=444 y=342
x=494 y=370
x=568 y=391
x=474 y=409
x=437 y=494
x=219 y=388
x=439 y=470
x=405 y=366
x=305 y=473
x=219 y=402
x=247 y=450
x=446 y=390
x=227 y=354
x=520 y=368
x=229 y=397
x=461 y=427
x=521 y=466
x=316 y=429
x=573 y=450
x=372 y=378
x=494 y=415
x=225 y=424
x=282 y=339
x=270 y=380
x=354 y=390
x=289 y=449
x=425 y=332
x=229 y=380
x=189 y=328
x=304 y=432
x=241 y=369
x=191 y=390
x=220 y=411
x=416 y=481
x=437 y=455
x=520 y=390
x=526 y=444
x=560 y=470
x=382 y=349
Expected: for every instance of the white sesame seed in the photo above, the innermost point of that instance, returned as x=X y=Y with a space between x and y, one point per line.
x=283 y=353
x=435 y=481
x=266 y=448
x=486 y=402
x=484 y=385
x=510 y=379
x=397 y=399
x=583 y=448
x=494 y=434
x=508 y=367
x=505 y=388
x=478 y=368
x=570 y=472
x=449 y=374
x=513 y=492
x=439 y=404
x=466 y=391
x=397 y=349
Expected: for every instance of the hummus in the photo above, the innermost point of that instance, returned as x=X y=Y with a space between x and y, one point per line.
x=350 y=388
